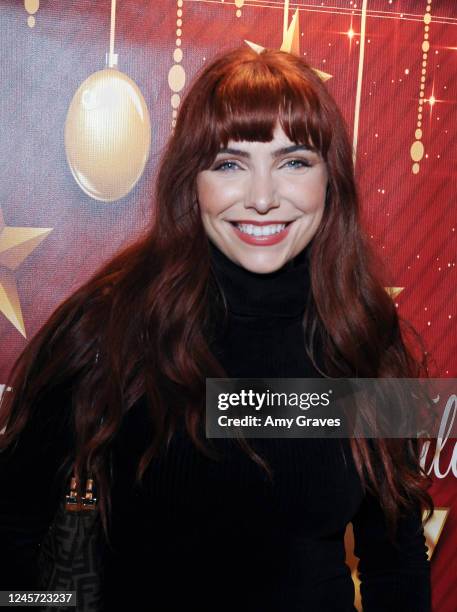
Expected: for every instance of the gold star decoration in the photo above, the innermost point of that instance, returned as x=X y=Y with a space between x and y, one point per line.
x=394 y=291
x=290 y=39
x=16 y=244
x=434 y=527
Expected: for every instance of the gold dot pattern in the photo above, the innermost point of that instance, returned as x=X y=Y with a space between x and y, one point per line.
x=239 y=5
x=417 y=151
x=417 y=148
x=31 y=6
x=177 y=74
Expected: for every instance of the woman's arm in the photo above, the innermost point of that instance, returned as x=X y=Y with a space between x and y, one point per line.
x=31 y=487
x=392 y=578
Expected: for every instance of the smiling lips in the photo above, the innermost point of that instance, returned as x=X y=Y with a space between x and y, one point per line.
x=261 y=233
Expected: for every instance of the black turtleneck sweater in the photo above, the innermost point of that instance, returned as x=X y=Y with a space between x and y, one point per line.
x=204 y=535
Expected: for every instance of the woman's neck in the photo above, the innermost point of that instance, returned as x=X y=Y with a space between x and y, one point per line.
x=281 y=294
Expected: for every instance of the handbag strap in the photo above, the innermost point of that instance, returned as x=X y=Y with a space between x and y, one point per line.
x=74 y=502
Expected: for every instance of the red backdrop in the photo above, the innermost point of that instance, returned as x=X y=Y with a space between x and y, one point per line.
x=393 y=67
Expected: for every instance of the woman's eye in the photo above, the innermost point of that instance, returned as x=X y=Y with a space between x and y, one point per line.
x=226 y=165
x=298 y=163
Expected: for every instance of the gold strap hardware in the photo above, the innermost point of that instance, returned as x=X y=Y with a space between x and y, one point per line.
x=74 y=502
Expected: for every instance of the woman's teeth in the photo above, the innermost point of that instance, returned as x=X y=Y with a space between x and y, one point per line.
x=264 y=230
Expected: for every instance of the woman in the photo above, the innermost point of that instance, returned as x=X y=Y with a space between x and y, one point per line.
x=255 y=266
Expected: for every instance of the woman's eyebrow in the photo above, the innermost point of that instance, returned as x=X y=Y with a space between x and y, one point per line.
x=292 y=149
x=277 y=153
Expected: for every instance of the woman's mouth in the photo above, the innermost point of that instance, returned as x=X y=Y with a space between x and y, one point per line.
x=264 y=234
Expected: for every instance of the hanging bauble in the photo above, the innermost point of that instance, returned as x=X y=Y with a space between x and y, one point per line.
x=107 y=135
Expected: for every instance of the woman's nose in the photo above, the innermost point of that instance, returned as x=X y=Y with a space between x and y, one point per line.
x=262 y=193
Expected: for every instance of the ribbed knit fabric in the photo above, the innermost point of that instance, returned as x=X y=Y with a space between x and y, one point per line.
x=263 y=335
x=212 y=536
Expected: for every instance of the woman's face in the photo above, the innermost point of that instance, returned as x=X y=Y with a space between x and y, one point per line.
x=262 y=202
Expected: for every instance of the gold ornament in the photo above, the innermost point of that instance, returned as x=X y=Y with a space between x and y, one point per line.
x=107 y=135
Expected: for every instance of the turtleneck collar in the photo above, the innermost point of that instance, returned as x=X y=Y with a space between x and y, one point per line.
x=281 y=294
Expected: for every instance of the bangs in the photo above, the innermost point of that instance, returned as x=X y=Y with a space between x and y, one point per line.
x=249 y=102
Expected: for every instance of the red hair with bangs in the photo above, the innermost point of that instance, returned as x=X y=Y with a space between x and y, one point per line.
x=109 y=358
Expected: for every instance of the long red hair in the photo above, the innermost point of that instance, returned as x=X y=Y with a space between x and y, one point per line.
x=138 y=326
